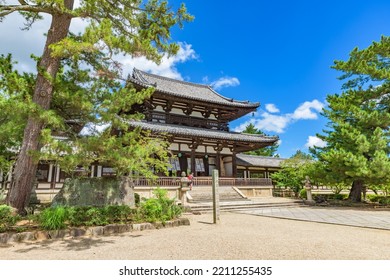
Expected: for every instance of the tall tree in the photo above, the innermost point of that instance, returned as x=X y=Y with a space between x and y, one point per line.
x=269 y=151
x=357 y=148
x=114 y=26
x=293 y=171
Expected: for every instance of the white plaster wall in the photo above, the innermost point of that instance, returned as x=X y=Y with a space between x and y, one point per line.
x=174 y=147
x=159 y=108
x=226 y=151
x=228 y=169
x=177 y=111
x=184 y=147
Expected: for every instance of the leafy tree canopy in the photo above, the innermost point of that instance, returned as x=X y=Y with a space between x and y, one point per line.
x=269 y=151
x=357 y=140
x=78 y=81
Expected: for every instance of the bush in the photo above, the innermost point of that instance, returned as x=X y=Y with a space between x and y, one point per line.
x=98 y=216
x=118 y=213
x=53 y=218
x=326 y=197
x=161 y=208
x=7 y=219
x=384 y=200
x=303 y=194
x=77 y=216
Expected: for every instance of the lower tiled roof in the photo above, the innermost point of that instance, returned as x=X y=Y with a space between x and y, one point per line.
x=203 y=132
x=251 y=160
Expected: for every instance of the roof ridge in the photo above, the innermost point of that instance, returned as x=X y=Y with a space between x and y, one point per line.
x=170 y=79
x=259 y=135
x=261 y=156
x=140 y=73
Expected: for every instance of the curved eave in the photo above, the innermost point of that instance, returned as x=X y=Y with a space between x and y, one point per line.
x=247 y=141
x=248 y=106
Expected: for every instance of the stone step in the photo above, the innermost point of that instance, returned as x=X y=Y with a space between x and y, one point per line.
x=199 y=194
x=242 y=206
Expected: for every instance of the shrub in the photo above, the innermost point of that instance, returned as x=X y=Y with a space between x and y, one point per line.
x=385 y=200
x=77 y=216
x=118 y=213
x=137 y=199
x=7 y=219
x=159 y=208
x=53 y=218
x=303 y=194
x=88 y=216
x=96 y=217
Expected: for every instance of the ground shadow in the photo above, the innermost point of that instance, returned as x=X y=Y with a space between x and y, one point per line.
x=74 y=244
x=206 y=223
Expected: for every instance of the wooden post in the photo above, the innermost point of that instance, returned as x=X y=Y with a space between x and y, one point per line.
x=234 y=165
x=193 y=165
x=218 y=162
x=216 y=209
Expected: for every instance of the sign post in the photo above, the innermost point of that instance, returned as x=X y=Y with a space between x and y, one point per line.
x=216 y=209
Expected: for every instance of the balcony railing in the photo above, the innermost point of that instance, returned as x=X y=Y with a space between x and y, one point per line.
x=185 y=120
x=203 y=181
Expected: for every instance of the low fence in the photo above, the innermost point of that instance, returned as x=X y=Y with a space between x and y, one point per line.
x=203 y=181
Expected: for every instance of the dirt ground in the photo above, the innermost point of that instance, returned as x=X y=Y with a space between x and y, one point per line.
x=237 y=237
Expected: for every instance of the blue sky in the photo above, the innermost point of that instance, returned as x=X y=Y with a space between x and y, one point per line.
x=280 y=52
x=277 y=53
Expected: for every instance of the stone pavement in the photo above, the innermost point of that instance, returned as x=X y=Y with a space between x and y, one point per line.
x=328 y=215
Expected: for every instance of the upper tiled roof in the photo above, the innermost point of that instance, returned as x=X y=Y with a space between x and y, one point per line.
x=203 y=132
x=251 y=160
x=185 y=89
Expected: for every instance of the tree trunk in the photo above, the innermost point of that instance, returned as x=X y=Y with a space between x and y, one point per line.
x=355 y=194
x=26 y=165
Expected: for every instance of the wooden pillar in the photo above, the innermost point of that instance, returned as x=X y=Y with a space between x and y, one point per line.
x=218 y=162
x=92 y=171
x=50 y=175
x=234 y=164
x=99 y=171
x=193 y=165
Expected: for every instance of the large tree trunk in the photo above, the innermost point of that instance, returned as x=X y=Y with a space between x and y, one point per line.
x=355 y=194
x=26 y=165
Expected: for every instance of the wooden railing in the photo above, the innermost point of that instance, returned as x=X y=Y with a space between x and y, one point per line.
x=204 y=181
x=186 y=120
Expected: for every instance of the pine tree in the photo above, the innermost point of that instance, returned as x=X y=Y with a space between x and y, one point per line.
x=357 y=148
x=269 y=151
x=132 y=27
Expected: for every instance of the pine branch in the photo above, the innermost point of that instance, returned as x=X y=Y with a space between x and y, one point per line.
x=25 y=7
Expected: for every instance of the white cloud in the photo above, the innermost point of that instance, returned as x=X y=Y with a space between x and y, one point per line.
x=272 y=122
x=315 y=141
x=225 y=82
x=24 y=43
x=271 y=108
x=306 y=111
x=166 y=68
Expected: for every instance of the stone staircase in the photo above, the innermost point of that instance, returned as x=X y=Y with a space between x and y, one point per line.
x=205 y=194
x=246 y=204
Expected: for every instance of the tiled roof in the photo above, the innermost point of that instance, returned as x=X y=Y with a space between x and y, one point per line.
x=251 y=160
x=185 y=89
x=203 y=132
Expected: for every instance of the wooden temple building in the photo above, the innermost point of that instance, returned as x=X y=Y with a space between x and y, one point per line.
x=196 y=118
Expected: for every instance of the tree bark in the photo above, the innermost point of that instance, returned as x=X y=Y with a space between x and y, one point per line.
x=26 y=166
x=355 y=194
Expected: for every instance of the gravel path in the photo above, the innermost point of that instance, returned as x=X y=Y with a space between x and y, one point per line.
x=238 y=236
